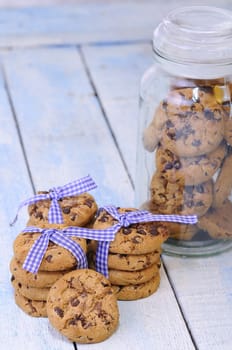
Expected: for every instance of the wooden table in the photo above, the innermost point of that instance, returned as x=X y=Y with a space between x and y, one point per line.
x=69 y=107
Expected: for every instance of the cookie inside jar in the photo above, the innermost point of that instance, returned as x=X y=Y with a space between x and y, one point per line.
x=185 y=129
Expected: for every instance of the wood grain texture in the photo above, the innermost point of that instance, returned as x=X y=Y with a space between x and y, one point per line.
x=63 y=129
x=87 y=23
x=17 y=330
x=203 y=287
x=116 y=72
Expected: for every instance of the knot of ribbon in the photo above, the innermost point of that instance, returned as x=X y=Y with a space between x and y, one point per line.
x=125 y=220
x=61 y=237
x=76 y=187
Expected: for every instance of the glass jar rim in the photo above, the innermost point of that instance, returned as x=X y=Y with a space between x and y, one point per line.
x=195 y=35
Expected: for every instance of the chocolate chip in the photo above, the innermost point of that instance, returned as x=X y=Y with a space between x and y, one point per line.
x=20 y=285
x=169 y=124
x=168 y=166
x=137 y=239
x=141 y=231
x=89 y=203
x=171 y=135
x=121 y=256
x=105 y=284
x=153 y=231
x=49 y=258
x=103 y=218
x=196 y=143
x=189 y=189
x=59 y=311
x=104 y=316
x=73 y=217
x=82 y=319
x=69 y=283
x=208 y=114
x=126 y=230
x=39 y=215
x=33 y=309
x=66 y=210
x=200 y=188
x=165 y=104
x=199 y=204
x=72 y=322
x=12 y=278
x=187 y=130
x=74 y=301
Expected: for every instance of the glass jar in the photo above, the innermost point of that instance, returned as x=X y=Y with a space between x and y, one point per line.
x=184 y=155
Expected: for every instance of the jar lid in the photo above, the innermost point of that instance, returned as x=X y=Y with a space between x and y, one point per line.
x=195 y=36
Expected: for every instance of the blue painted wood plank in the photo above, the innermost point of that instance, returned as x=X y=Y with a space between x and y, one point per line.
x=89 y=22
x=17 y=330
x=63 y=129
x=116 y=72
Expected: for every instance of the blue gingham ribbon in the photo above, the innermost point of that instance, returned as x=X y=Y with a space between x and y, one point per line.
x=104 y=237
x=125 y=220
x=76 y=187
x=61 y=237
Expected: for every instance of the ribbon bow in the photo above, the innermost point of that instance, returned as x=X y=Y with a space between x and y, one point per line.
x=61 y=237
x=125 y=220
x=73 y=188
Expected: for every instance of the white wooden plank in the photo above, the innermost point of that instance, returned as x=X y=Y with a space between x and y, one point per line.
x=116 y=72
x=203 y=287
x=65 y=137
x=63 y=129
x=17 y=330
x=91 y=22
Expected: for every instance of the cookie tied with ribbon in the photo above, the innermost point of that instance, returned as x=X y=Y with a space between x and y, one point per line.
x=67 y=205
x=32 y=248
x=135 y=232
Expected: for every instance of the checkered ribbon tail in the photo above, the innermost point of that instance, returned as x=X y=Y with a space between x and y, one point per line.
x=76 y=187
x=61 y=237
x=125 y=220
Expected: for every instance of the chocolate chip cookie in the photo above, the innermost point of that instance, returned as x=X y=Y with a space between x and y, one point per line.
x=29 y=292
x=133 y=277
x=76 y=211
x=139 y=238
x=82 y=306
x=218 y=221
x=126 y=262
x=195 y=122
x=56 y=258
x=137 y=291
x=192 y=170
x=176 y=198
x=41 y=279
x=35 y=308
x=152 y=133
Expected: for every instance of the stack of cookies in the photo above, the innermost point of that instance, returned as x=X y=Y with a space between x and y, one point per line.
x=31 y=290
x=134 y=256
x=190 y=134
